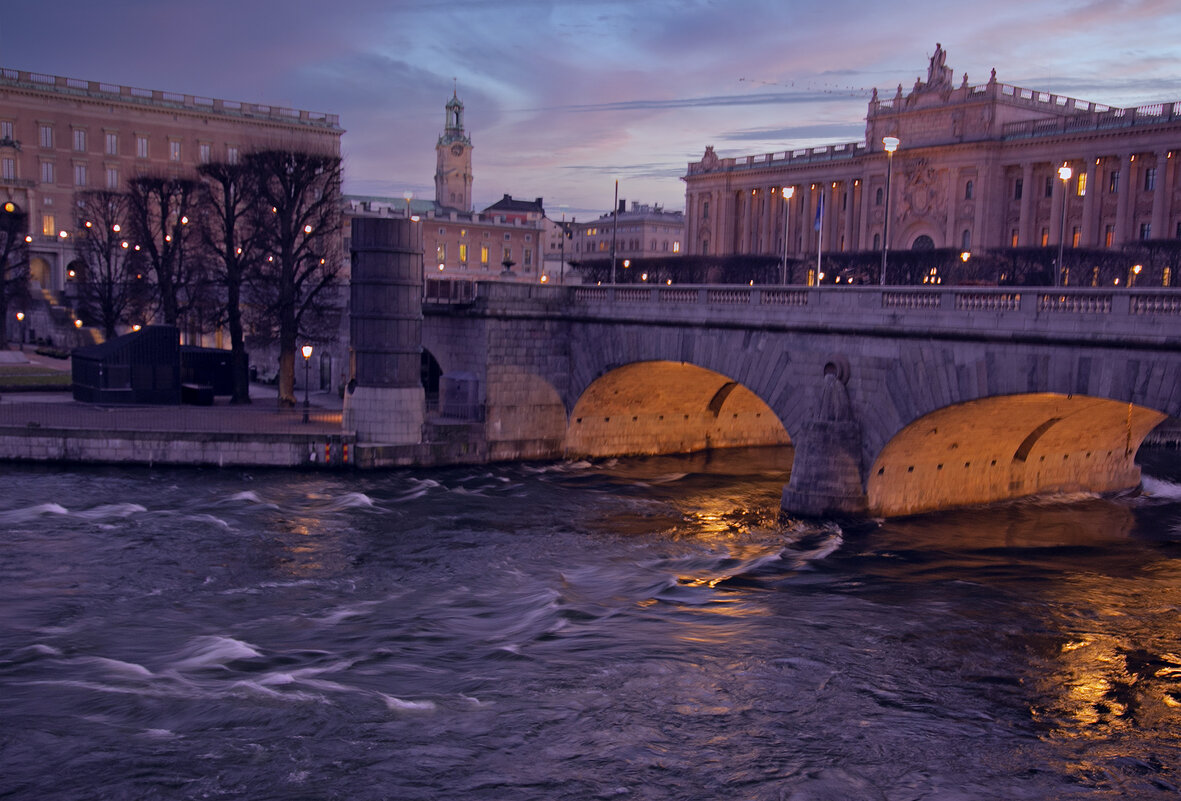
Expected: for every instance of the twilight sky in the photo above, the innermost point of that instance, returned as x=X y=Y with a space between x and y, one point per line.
x=563 y=97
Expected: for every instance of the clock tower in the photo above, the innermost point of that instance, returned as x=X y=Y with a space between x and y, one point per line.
x=453 y=173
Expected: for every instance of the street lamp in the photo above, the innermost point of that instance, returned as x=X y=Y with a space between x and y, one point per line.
x=20 y=319
x=1064 y=172
x=307 y=358
x=890 y=143
x=788 y=193
x=1136 y=268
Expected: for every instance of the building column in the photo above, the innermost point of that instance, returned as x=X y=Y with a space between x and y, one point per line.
x=847 y=206
x=1160 y=198
x=1123 y=201
x=1024 y=219
x=1057 y=201
x=1089 y=224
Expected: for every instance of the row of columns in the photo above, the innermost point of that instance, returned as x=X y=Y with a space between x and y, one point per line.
x=751 y=220
x=1090 y=218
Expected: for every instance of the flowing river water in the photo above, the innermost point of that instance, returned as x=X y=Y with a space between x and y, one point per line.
x=631 y=629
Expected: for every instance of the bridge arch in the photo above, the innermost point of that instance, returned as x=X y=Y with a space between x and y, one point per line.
x=658 y=406
x=1010 y=446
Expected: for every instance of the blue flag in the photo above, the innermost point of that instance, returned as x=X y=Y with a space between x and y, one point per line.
x=819 y=212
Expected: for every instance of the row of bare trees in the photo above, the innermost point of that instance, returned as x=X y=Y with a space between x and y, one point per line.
x=253 y=246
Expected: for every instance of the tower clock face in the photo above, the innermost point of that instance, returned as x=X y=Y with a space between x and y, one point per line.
x=457 y=150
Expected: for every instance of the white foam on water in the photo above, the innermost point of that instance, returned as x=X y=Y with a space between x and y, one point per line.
x=213 y=650
x=400 y=705
x=1160 y=488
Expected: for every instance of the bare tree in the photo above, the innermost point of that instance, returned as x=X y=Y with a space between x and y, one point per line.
x=160 y=212
x=234 y=245
x=299 y=216
x=113 y=287
x=14 y=258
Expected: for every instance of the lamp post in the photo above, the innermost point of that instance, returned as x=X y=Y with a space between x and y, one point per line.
x=307 y=358
x=890 y=143
x=1064 y=172
x=788 y=193
x=20 y=320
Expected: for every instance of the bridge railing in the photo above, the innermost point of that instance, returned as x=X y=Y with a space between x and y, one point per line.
x=1082 y=314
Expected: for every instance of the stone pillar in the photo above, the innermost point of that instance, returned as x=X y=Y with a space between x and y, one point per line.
x=1025 y=220
x=1089 y=233
x=1160 y=203
x=826 y=473
x=385 y=402
x=1123 y=202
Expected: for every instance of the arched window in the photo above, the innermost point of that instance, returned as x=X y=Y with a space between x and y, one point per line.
x=966 y=240
x=877 y=241
x=877 y=197
x=923 y=242
x=968 y=188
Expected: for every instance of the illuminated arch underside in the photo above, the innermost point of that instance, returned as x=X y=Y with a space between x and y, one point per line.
x=668 y=407
x=1009 y=447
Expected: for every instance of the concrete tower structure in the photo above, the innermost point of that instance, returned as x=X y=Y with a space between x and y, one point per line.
x=453 y=173
x=385 y=402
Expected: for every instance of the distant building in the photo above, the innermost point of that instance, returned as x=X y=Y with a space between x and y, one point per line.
x=639 y=232
x=976 y=167
x=504 y=241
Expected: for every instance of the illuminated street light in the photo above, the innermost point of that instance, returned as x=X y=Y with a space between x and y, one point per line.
x=307 y=358
x=788 y=193
x=890 y=143
x=1064 y=172
x=1136 y=268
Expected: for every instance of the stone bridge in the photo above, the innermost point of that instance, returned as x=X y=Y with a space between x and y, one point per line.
x=896 y=400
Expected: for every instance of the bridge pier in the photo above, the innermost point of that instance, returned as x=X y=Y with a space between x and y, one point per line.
x=826 y=473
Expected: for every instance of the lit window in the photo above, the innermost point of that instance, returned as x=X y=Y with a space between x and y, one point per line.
x=441 y=253
x=45 y=135
x=484 y=255
x=1045 y=236
x=1013 y=238
x=676 y=247
x=48 y=225
x=174 y=151
x=1075 y=237
x=1108 y=235
x=80 y=140
x=463 y=254
x=508 y=254
x=1081 y=189
x=112 y=143
x=141 y=147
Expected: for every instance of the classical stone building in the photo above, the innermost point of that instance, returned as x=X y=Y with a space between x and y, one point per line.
x=638 y=232
x=977 y=167
x=60 y=135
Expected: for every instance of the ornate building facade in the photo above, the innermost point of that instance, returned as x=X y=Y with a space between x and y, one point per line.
x=61 y=135
x=977 y=166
